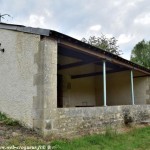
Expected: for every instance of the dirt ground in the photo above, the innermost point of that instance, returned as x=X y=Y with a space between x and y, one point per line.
x=8 y=132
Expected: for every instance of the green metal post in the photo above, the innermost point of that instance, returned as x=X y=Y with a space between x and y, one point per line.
x=132 y=88
x=104 y=82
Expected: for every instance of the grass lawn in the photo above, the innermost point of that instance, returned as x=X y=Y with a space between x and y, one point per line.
x=136 y=139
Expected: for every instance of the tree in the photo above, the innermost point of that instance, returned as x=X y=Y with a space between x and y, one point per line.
x=3 y=16
x=107 y=44
x=141 y=54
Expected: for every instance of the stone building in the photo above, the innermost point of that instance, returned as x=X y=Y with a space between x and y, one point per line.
x=61 y=86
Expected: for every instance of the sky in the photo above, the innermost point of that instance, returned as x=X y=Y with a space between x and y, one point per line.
x=126 y=20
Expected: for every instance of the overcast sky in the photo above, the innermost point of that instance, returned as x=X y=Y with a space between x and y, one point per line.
x=127 y=20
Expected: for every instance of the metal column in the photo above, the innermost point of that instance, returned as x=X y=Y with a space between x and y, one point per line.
x=132 y=88
x=104 y=82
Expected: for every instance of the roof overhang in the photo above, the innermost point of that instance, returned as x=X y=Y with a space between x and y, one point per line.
x=79 y=46
x=69 y=42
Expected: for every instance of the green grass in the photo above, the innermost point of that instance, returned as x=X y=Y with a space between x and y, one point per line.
x=24 y=141
x=8 y=121
x=137 y=139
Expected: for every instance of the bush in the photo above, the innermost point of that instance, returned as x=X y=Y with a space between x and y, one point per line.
x=8 y=121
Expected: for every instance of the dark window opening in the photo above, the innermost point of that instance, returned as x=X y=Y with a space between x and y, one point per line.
x=59 y=91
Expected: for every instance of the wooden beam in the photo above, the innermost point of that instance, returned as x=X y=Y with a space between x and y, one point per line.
x=109 y=65
x=76 y=64
x=68 y=52
x=141 y=76
x=96 y=73
x=117 y=60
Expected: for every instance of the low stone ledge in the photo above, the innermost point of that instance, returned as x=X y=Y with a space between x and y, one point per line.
x=89 y=120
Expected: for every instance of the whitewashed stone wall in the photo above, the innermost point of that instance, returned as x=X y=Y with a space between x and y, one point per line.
x=17 y=69
x=28 y=91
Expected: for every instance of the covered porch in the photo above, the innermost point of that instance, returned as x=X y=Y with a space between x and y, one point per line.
x=88 y=78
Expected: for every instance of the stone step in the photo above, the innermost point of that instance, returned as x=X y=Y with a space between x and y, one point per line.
x=147 y=122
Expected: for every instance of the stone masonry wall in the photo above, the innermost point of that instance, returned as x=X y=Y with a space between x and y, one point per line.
x=45 y=103
x=17 y=72
x=66 y=122
x=80 y=121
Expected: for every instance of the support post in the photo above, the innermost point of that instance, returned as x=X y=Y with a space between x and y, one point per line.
x=132 y=88
x=104 y=82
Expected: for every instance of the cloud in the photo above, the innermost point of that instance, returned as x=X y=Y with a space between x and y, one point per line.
x=95 y=28
x=108 y=35
x=35 y=20
x=143 y=19
x=124 y=38
x=126 y=20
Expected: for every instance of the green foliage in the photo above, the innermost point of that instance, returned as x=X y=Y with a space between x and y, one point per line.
x=2 y=117
x=110 y=133
x=141 y=54
x=136 y=139
x=8 y=121
x=107 y=44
